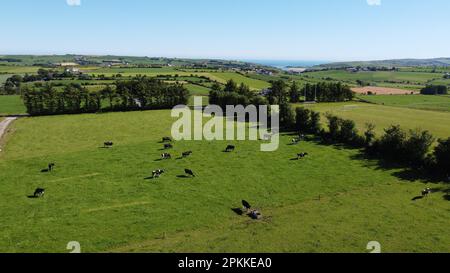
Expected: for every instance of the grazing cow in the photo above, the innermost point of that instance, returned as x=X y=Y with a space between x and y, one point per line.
x=186 y=154
x=302 y=155
x=51 y=166
x=426 y=192
x=189 y=172
x=267 y=137
x=295 y=141
x=167 y=139
x=166 y=156
x=39 y=193
x=168 y=146
x=246 y=205
x=157 y=173
x=255 y=214
x=230 y=148
x=108 y=144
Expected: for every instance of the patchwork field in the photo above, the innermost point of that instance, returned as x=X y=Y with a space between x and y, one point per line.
x=333 y=201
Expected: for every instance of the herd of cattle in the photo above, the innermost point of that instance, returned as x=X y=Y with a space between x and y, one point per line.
x=253 y=213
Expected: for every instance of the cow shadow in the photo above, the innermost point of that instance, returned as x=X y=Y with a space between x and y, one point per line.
x=45 y=171
x=238 y=211
x=149 y=178
x=183 y=176
x=294 y=159
x=417 y=198
x=32 y=197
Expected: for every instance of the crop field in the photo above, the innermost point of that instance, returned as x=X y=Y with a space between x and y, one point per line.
x=10 y=105
x=436 y=103
x=438 y=123
x=103 y=198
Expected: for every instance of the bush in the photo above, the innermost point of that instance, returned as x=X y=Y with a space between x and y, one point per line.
x=416 y=147
x=314 y=123
x=442 y=156
x=303 y=119
x=391 y=144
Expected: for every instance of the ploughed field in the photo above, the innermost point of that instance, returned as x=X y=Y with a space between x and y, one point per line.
x=331 y=201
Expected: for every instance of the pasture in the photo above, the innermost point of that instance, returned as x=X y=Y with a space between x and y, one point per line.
x=435 y=103
x=379 y=76
x=10 y=105
x=438 y=123
x=332 y=201
x=223 y=77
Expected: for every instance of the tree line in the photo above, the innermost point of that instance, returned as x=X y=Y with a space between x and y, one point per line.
x=434 y=90
x=412 y=148
x=321 y=92
x=139 y=93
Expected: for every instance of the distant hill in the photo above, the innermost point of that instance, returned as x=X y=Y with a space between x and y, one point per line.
x=86 y=60
x=439 y=62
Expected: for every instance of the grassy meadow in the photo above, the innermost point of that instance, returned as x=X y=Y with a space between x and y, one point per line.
x=438 y=123
x=424 y=102
x=10 y=105
x=333 y=201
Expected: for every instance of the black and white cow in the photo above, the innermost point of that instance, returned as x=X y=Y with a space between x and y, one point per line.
x=186 y=154
x=168 y=146
x=167 y=139
x=108 y=144
x=39 y=193
x=426 y=192
x=157 y=173
x=189 y=172
x=302 y=155
x=166 y=156
x=230 y=148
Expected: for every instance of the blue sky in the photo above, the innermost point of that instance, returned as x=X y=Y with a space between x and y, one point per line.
x=329 y=30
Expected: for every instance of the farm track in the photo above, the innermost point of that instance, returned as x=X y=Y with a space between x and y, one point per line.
x=4 y=125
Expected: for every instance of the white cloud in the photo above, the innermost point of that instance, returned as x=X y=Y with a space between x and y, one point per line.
x=73 y=2
x=374 y=2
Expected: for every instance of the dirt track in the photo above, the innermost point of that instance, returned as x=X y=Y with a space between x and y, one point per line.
x=4 y=125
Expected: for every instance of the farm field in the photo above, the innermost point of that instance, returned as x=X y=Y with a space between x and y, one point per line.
x=10 y=105
x=436 y=103
x=254 y=84
x=381 y=91
x=378 y=76
x=330 y=202
x=438 y=123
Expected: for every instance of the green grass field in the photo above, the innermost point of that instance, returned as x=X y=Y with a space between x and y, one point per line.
x=254 y=84
x=330 y=202
x=378 y=76
x=438 y=123
x=10 y=105
x=436 y=103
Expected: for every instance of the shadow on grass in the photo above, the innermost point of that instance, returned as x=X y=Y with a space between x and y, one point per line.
x=398 y=170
